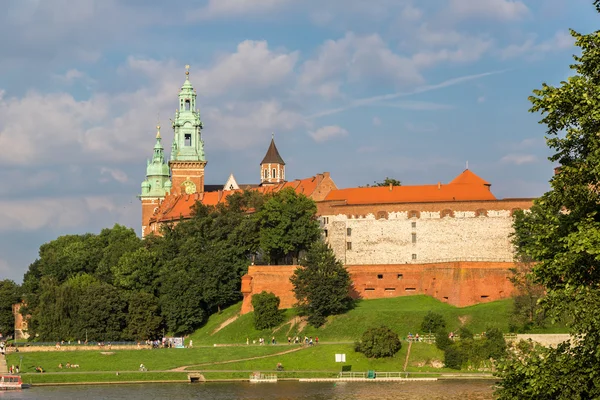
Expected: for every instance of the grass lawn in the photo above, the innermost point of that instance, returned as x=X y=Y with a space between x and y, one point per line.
x=402 y=314
x=35 y=378
x=130 y=360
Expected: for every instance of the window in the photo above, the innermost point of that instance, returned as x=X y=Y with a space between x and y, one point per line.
x=410 y=289
x=348 y=245
x=481 y=213
x=274 y=174
x=447 y=213
x=413 y=214
x=390 y=289
x=484 y=297
x=379 y=276
x=414 y=237
x=400 y=276
x=369 y=289
x=445 y=297
x=413 y=224
x=266 y=173
x=414 y=256
x=188 y=139
x=187 y=104
x=325 y=220
x=325 y=232
x=348 y=231
x=382 y=215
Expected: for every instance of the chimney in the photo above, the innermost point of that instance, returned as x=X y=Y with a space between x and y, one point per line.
x=439 y=185
x=391 y=186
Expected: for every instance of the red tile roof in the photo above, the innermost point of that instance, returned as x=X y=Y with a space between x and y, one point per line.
x=467 y=186
x=175 y=207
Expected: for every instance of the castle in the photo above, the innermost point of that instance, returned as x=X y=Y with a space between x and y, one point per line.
x=447 y=240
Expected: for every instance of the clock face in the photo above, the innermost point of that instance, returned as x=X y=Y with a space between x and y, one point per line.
x=189 y=187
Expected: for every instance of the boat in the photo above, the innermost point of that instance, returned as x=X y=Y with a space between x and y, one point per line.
x=10 y=382
x=257 y=377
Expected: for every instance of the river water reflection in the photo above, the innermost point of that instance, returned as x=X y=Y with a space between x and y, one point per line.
x=465 y=390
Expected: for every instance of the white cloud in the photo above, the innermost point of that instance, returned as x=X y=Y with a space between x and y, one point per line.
x=504 y=10
x=327 y=133
x=418 y=105
x=232 y=8
x=518 y=159
x=357 y=59
x=532 y=49
x=376 y=121
x=115 y=173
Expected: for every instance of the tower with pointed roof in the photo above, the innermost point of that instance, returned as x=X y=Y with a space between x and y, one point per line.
x=157 y=183
x=187 y=151
x=272 y=167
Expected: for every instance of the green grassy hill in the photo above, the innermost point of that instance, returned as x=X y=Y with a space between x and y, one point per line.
x=402 y=314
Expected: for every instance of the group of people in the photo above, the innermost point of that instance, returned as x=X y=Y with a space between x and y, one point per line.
x=13 y=369
x=68 y=365
x=414 y=338
x=308 y=340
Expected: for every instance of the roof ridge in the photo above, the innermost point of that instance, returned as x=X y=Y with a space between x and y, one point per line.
x=272 y=156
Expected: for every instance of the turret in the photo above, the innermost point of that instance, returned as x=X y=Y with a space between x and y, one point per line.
x=272 y=167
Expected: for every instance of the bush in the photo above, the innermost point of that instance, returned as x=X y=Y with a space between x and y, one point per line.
x=453 y=357
x=465 y=334
x=442 y=341
x=266 y=310
x=494 y=344
x=379 y=342
x=432 y=322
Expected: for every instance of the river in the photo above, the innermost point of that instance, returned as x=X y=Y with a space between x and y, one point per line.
x=447 y=390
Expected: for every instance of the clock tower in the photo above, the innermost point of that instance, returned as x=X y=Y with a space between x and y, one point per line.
x=187 y=152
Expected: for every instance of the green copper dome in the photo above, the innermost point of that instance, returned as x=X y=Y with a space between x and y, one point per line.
x=157 y=182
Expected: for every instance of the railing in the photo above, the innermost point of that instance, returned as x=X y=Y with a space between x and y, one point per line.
x=352 y=375
x=427 y=338
x=391 y=374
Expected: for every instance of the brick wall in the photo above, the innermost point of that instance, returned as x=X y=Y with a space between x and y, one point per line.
x=458 y=283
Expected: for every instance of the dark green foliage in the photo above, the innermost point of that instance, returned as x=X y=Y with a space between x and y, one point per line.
x=453 y=357
x=9 y=295
x=561 y=235
x=321 y=285
x=494 y=345
x=464 y=333
x=288 y=225
x=379 y=342
x=143 y=317
x=432 y=322
x=266 y=310
x=387 y=182
x=442 y=341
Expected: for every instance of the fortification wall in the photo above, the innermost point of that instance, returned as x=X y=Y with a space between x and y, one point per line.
x=458 y=283
x=421 y=233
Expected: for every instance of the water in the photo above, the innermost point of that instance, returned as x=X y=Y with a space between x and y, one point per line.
x=447 y=390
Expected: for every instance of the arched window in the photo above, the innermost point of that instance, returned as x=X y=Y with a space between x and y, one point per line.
x=382 y=215
x=266 y=173
x=187 y=104
x=447 y=213
x=273 y=172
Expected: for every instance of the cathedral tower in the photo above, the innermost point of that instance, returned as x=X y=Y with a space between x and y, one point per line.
x=272 y=167
x=157 y=183
x=187 y=152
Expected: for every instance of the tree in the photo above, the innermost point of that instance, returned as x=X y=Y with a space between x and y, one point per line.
x=266 y=310
x=9 y=295
x=442 y=339
x=379 y=342
x=432 y=322
x=321 y=285
x=288 y=225
x=387 y=182
x=143 y=317
x=561 y=234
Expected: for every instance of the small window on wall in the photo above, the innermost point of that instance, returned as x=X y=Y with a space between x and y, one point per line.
x=348 y=231
x=187 y=105
x=188 y=139
x=413 y=214
x=274 y=174
x=413 y=224
x=266 y=173
x=400 y=276
x=414 y=256
x=379 y=276
x=325 y=232
x=348 y=245
x=447 y=213
x=414 y=238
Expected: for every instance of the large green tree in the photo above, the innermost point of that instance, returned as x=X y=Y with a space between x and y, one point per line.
x=321 y=284
x=561 y=235
x=9 y=295
x=288 y=225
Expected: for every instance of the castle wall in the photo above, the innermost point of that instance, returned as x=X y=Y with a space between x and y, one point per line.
x=458 y=283
x=421 y=233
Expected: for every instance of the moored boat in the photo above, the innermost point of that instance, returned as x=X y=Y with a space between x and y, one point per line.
x=10 y=382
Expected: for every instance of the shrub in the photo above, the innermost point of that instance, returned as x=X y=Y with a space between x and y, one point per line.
x=453 y=357
x=379 y=342
x=432 y=322
x=442 y=341
x=465 y=334
x=266 y=310
x=494 y=344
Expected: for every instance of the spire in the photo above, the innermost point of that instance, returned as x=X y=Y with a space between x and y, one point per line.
x=272 y=156
x=157 y=182
x=158 y=131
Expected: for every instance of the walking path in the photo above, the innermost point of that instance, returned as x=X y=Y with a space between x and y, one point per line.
x=3 y=366
x=407 y=356
x=183 y=368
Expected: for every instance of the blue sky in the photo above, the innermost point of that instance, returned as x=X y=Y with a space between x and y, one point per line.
x=362 y=89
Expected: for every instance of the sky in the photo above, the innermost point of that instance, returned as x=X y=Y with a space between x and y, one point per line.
x=407 y=89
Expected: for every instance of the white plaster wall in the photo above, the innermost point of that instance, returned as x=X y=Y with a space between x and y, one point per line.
x=463 y=237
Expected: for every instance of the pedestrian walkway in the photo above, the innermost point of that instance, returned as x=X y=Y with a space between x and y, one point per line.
x=3 y=366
